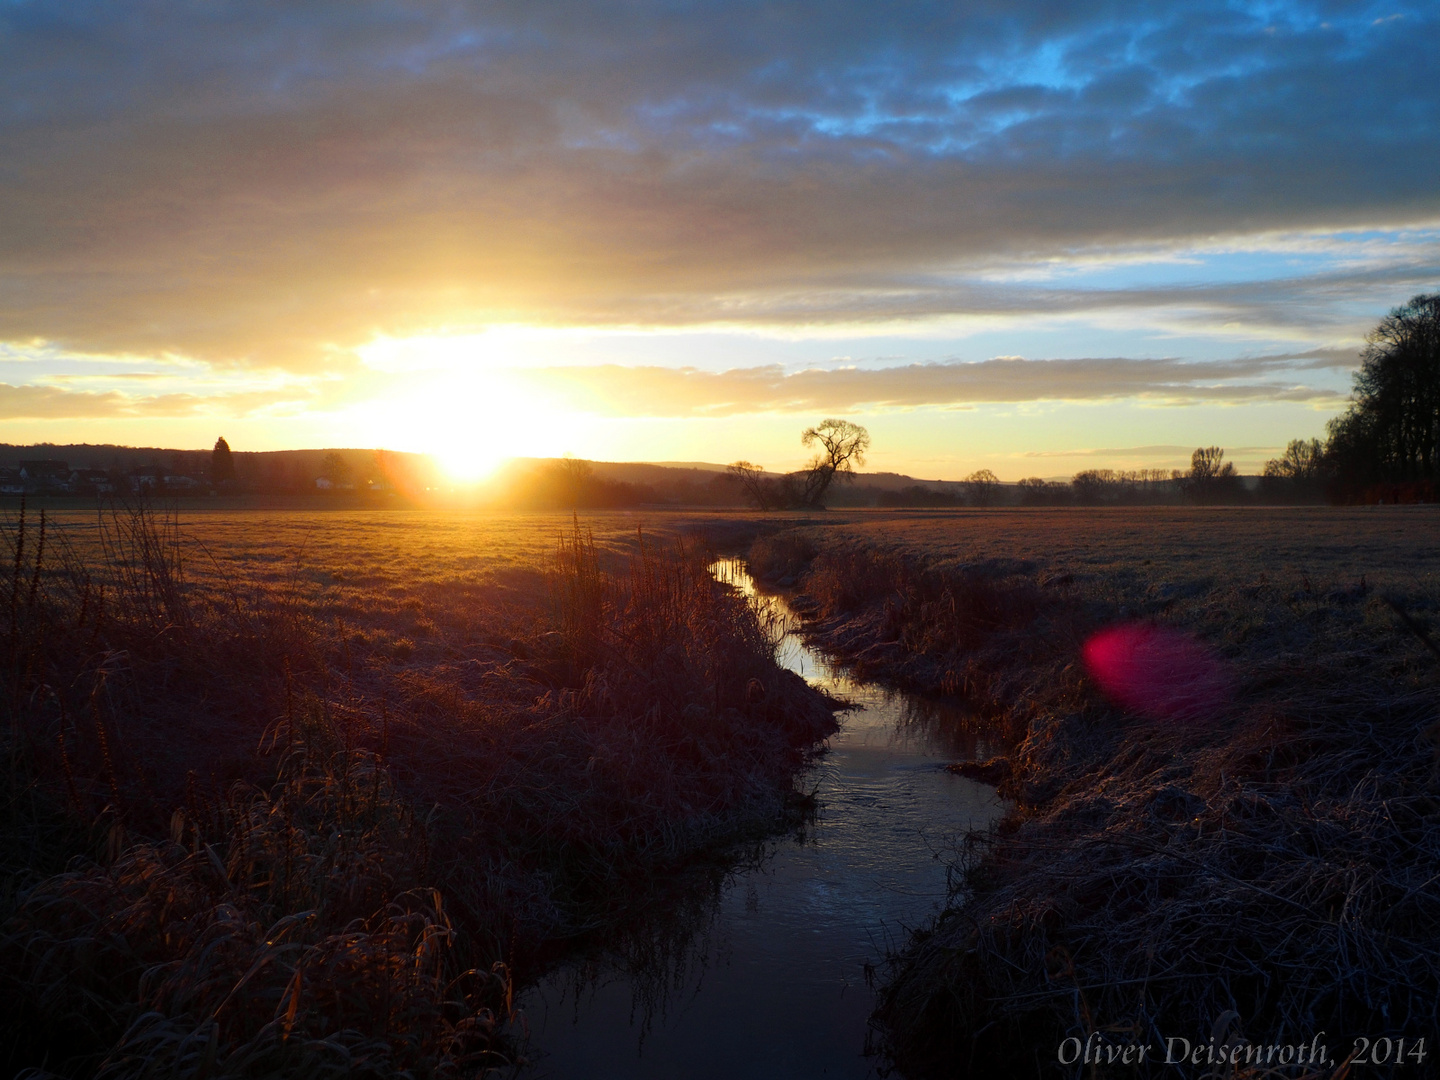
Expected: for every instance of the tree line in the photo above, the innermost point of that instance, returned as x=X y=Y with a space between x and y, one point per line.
x=841 y=445
x=1386 y=446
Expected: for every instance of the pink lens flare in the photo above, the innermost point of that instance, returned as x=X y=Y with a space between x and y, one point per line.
x=1159 y=672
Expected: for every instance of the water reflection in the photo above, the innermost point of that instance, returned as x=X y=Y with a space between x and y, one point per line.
x=757 y=969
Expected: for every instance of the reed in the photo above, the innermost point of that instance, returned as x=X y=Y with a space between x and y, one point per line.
x=1262 y=872
x=215 y=861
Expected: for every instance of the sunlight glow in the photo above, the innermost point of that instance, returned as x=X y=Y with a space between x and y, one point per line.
x=474 y=420
x=510 y=345
x=464 y=404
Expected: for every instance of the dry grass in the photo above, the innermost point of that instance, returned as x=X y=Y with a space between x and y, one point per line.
x=213 y=859
x=300 y=942
x=1269 y=868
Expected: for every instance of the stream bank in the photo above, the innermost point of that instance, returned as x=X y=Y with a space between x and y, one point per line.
x=766 y=973
x=1246 y=871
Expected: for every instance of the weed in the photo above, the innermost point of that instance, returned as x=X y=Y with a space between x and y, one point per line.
x=1271 y=862
x=214 y=861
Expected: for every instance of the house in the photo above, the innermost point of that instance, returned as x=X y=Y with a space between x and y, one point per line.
x=45 y=477
x=11 y=483
x=184 y=484
x=92 y=482
x=145 y=479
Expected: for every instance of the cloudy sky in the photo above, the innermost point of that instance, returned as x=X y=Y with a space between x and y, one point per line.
x=1033 y=237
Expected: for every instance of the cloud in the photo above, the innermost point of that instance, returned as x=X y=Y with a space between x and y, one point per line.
x=658 y=391
x=55 y=403
x=664 y=391
x=1147 y=453
x=263 y=185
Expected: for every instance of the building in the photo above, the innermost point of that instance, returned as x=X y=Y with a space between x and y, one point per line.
x=92 y=482
x=147 y=479
x=45 y=477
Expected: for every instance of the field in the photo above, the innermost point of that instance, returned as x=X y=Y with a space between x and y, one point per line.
x=303 y=793
x=1133 y=548
x=1247 y=873
x=308 y=795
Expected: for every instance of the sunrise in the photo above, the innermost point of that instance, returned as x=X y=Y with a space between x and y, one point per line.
x=219 y=216
x=770 y=540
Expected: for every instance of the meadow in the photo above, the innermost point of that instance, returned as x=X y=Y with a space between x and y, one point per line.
x=1240 y=874
x=307 y=796
x=312 y=792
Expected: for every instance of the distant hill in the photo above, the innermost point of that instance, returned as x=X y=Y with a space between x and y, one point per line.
x=270 y=471
x=703 y=466
x=293 y=472
x=375 y=476
x=101 y=455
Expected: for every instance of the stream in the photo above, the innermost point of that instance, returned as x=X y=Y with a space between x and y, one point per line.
x=762 y=974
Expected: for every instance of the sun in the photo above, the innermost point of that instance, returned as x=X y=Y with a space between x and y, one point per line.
x=469 y=464
x=470 y=404
x=472 y=421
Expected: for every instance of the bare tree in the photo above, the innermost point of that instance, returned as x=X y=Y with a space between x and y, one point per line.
x=1298 y=475
x=982 y=487
x=1092 y=486
x=1036 y=491
x=842 y=447
x=569 y=480
x=335 y=469
x=1211 y=476
x=760 y=491
x=1208 y=462
x=1302 y=460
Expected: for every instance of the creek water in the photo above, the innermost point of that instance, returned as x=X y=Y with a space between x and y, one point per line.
x=759 y=972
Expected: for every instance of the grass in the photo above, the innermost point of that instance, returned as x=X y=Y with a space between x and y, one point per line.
x=308 y=798
x=298 y=793
x=1263 y=872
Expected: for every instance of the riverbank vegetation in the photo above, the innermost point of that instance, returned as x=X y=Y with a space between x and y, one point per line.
x=316 y=812
x=1259 y=870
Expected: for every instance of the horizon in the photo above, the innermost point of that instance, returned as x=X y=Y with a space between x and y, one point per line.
x=503 y=471
x=1017 y=238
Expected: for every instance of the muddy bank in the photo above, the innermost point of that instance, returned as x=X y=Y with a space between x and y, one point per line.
x=1260 y=872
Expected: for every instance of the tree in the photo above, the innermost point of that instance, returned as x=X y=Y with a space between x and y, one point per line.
x=842 y=447
x=1032 y=491
x=1208 y=463
x=222 y=463
x=1092 y=485
x=1391 y=431
x=1298 y=474
x=1302 y=460
x=1211 y=476
x=982 y=487
x=1037 y=492
x=761 y=491
x=570 y=481
x=334 y=468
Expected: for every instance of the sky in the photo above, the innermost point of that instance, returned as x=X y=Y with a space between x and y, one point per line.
x=1030 y=237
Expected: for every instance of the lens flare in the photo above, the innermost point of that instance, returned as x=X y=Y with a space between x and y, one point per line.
x=1158 y=672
